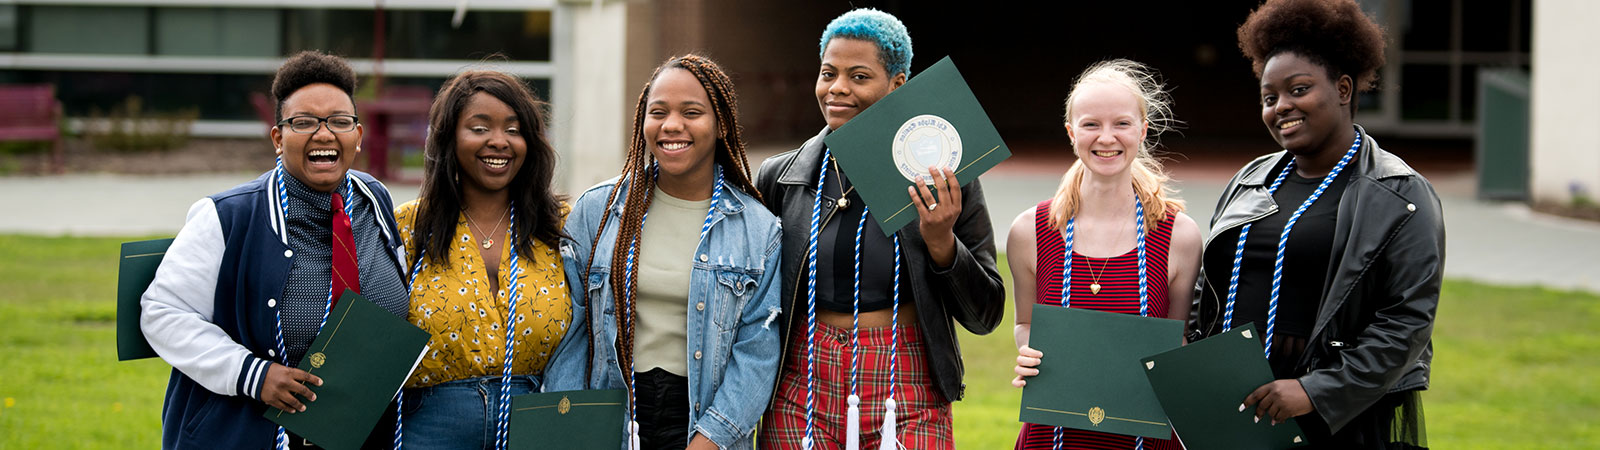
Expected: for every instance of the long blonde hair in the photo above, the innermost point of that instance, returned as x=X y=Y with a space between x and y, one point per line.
x=1149 y=178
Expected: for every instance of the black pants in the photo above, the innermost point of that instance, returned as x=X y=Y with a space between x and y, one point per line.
x=662 y=401
x=1395 y=422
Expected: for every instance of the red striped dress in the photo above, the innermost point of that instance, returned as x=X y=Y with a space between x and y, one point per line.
x=1119 y=293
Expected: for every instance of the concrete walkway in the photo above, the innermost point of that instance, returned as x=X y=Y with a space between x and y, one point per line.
x=1492 y=242
x=1502 y=243
x=113 y=205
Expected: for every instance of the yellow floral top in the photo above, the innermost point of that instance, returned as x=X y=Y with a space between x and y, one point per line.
x=467 y=320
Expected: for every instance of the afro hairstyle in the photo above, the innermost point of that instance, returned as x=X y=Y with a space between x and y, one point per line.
x=307 y=68
x=878 y=27
x=1334 y=34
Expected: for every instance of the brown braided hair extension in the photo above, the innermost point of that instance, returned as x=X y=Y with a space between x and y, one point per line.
x=729 y=153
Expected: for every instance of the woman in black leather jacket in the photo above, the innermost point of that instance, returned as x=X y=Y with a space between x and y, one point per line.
x=1347 y=299
x=945 y=273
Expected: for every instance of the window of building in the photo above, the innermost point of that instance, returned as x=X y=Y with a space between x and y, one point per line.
x=217 y=96
x=414 y=34
x=245 y=43
x=8 y=28
x=1437 y=48
x=233 y=32
x=112 y=30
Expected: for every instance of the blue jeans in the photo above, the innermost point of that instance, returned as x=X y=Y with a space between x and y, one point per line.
x=458 y=414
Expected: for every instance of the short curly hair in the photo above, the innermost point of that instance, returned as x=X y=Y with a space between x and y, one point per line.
x=307 y=68
x=1334 y=34
x=877 y=27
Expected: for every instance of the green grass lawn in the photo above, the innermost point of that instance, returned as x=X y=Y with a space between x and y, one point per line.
x=62 y=386
x=1515 y=367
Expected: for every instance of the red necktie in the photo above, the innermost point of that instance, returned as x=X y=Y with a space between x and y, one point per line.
x=346 y=274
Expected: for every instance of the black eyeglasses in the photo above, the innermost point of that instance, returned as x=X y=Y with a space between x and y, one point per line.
x=337 y=123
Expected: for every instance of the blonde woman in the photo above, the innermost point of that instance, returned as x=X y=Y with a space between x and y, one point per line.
x=1131 y=248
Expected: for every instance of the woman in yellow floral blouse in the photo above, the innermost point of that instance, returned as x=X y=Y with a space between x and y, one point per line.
x=483 y=240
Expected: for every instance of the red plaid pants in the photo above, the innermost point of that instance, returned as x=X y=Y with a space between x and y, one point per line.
x=922 y=415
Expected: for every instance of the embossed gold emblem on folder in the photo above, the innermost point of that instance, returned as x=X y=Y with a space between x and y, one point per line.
x=577 y=420
x=363 y=355
x=1091 y=377
x=1097 y=415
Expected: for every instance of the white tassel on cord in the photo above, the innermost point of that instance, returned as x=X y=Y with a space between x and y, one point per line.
x=852 y=428
x=888 y=439
x=633 y=435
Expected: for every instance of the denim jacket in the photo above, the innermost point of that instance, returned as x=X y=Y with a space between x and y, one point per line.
x=732 y=352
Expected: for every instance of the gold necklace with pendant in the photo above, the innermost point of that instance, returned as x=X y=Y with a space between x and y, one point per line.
x=484 y=238
x=1094 y=285
x=844 y=200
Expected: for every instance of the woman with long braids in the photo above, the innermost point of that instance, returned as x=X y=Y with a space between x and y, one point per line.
x=676 y=262
x=488 y=283
x=871 y=357
x=1114 y=238
x=1333 y=247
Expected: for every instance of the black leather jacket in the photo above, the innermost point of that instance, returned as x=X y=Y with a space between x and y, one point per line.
x=970 y=291
x=1374 y=327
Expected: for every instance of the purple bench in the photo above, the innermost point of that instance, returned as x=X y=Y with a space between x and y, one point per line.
x=30 y=113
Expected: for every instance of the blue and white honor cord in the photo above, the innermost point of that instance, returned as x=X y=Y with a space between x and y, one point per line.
x=1066 y=284
x=503 y=416
x=503 y=420
x=853 y=413
x=888 y=439
x=627 y=280
x=282 y=440
x=1283 y=241
x=887 y=432
x=811 y=302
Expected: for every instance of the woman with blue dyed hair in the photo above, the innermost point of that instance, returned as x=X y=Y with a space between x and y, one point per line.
x=875 y=347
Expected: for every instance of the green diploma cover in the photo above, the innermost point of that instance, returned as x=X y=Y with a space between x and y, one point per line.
x=135 y=270
x=1090 y=377
x=579 y=420
x=931 y=121
x=364 y=355
x=1202 y=385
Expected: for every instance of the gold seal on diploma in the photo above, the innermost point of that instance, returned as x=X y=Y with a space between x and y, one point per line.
x=317 y=359
x=1097 y=415
x=564 y=406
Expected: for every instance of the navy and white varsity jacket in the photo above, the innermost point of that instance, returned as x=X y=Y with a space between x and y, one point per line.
x=210 y=312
